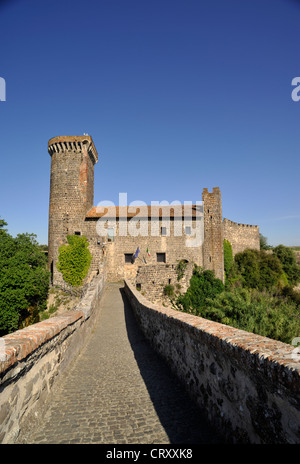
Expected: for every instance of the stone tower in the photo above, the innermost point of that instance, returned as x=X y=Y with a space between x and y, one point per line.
x=213 y=258
x=71 y=191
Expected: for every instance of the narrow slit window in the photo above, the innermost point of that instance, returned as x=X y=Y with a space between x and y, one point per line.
x=110 y=235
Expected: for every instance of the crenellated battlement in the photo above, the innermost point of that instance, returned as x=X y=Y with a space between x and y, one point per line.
x=241 y=236
x=75 y=144
x=238 y=224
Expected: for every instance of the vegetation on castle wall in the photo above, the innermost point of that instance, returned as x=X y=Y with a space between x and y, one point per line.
x=74 y=260
x=228 y=256
x=169 y=290
x=257 y=296
x=181 y=268
x=24 y=281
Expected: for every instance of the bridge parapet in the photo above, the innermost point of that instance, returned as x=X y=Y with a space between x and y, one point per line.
x=247 y=385
x=34 y=358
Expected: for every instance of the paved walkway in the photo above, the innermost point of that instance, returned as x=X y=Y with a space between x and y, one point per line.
x=119 y=391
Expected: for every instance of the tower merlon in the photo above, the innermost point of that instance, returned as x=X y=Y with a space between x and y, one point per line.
x=73 y=143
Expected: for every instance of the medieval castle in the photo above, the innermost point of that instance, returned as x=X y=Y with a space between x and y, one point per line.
x=140 y=242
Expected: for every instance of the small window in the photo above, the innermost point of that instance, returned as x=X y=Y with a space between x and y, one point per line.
x=139 y=287
x=128 y=258
x=161 y=257
x=163 y=231
x=188 y=230
x=77 y=233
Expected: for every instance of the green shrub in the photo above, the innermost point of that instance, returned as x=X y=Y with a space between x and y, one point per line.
x=74 y=260
x=288 y=261
x=258 y=312
x=258 y=269
x=257 y=299
x=203 y=285
x=169 y=290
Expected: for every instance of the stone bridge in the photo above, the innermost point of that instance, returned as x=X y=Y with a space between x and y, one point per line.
x=119 y=369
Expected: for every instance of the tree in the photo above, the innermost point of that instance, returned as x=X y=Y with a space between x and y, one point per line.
x=264 y=243
x=288 y=261
x=24 y=281
x=257 y=312
x=203 y=285
x=2 y=224
x=259 y=270
x=74 y=260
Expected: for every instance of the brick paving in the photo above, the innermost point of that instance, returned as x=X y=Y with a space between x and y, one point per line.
x=119 y=391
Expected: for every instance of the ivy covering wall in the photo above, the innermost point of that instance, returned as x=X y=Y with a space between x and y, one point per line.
x=74 y=260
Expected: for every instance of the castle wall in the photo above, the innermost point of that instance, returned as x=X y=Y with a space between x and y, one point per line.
x=152 y=278
x=71 y=212
x=246 y=384
x=173 y=245
x=241 y=236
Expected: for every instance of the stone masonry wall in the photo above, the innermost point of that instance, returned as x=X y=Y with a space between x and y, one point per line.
x=247 y=385
x=71 y=191
x=241 y=236
x=174 y=247
x=152 y=278
x=213 y=258
x=33 y=359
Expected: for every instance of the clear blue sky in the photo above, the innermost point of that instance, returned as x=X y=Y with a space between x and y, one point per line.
x=177 y=94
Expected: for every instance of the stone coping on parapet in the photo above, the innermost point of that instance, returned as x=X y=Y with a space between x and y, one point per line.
x=64 y=142
x=229 y=222
x=19 y=344
x=274 y=352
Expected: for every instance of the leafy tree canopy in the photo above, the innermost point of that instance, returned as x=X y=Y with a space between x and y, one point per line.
x=24 y=280
x=2 y=224
x=264 y=243
x=258 y=269
x=288 y=261
x=203 y=285
x=257 y=297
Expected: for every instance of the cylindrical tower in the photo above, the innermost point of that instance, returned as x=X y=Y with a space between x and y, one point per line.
x=71 y=191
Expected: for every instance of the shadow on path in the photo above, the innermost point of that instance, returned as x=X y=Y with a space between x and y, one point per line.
x=178 y=414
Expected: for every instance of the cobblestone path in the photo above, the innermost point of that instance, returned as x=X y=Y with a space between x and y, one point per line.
x=119 y=391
